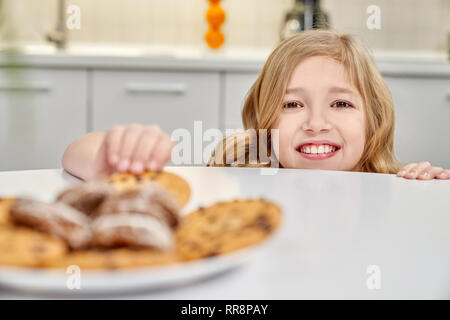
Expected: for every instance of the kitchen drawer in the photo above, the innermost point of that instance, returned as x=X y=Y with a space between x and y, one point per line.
x=169 y=99
x=41 y=112
x=237 y=86
x=422 y=107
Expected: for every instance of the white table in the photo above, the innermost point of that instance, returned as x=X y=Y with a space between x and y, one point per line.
x=336 y=225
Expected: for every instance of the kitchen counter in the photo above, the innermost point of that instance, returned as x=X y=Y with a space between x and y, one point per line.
x=337 y=226
x=188 y=58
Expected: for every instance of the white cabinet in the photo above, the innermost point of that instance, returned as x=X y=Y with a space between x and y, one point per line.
x=422 y=111
x=41 y=112
x=169 y=99
x=237 y=86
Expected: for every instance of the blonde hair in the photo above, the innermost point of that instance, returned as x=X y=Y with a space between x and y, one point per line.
x=264 y=101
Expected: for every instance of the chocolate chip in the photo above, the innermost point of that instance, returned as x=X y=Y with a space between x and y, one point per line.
x=262 y=222
x=212 y=254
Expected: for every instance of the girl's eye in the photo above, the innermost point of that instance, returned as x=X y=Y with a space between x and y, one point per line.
x=292 y=105
x=341 y=104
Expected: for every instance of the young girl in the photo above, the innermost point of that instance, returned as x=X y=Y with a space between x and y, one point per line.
x=322 y=92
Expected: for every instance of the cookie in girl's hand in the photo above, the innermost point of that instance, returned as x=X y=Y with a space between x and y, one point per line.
x=175 y=184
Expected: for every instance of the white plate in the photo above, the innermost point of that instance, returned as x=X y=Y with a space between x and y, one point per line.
x=119 y=281
x=58 y=282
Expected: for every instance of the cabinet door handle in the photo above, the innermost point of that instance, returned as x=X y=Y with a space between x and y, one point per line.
x=28 y=86
x=141 y=87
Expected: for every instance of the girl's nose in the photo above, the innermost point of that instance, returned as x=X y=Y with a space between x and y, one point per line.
x=316 y=121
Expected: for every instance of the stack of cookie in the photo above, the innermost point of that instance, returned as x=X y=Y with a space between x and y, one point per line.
x=95 y=214
x=128 y=221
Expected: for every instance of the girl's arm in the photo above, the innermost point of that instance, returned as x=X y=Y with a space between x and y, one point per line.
x=80 y=156
x=423 y=171
x=132 y=148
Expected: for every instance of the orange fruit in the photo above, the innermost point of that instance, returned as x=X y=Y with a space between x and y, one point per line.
x=214 y=38
x=215 y=16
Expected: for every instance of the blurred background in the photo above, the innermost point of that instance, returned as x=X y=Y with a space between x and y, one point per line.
x=147 y=61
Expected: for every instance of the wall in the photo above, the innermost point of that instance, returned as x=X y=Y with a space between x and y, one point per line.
x=406 y=24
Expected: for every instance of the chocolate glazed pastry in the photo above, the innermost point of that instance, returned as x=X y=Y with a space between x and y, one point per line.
x=149 y=200
x=86 y=197
x=142 y=217
x=131 y=229
x=57 y=219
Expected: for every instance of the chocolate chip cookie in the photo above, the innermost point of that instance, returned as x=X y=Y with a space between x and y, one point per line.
x=24 y=247
x=225 y=227
x=111 y=259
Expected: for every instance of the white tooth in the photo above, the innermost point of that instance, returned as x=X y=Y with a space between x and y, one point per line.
x=327 y=148
x=307 y=150
x=320 y=149
x=333 y=149
x=313 y=149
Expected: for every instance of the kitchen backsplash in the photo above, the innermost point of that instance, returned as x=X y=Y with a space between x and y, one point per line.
x=405 y=24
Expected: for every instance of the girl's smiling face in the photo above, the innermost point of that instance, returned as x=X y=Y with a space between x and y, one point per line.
x=322 y=112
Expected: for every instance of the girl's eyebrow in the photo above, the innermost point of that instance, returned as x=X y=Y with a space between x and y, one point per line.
x=295 y=89
x=334 y=89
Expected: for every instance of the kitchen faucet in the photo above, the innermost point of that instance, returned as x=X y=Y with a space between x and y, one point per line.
x=59 y=35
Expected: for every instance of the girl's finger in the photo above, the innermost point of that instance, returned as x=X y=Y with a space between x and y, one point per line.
x=429 y=173
x=112 y=142
x=415 y=171
x=445 y=174
x=406 y=168
x=129 y=140
x=161 y=154
x=147 y=141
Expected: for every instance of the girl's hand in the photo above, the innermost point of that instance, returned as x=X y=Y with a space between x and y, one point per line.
x=134 y=148
x=423 y=171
